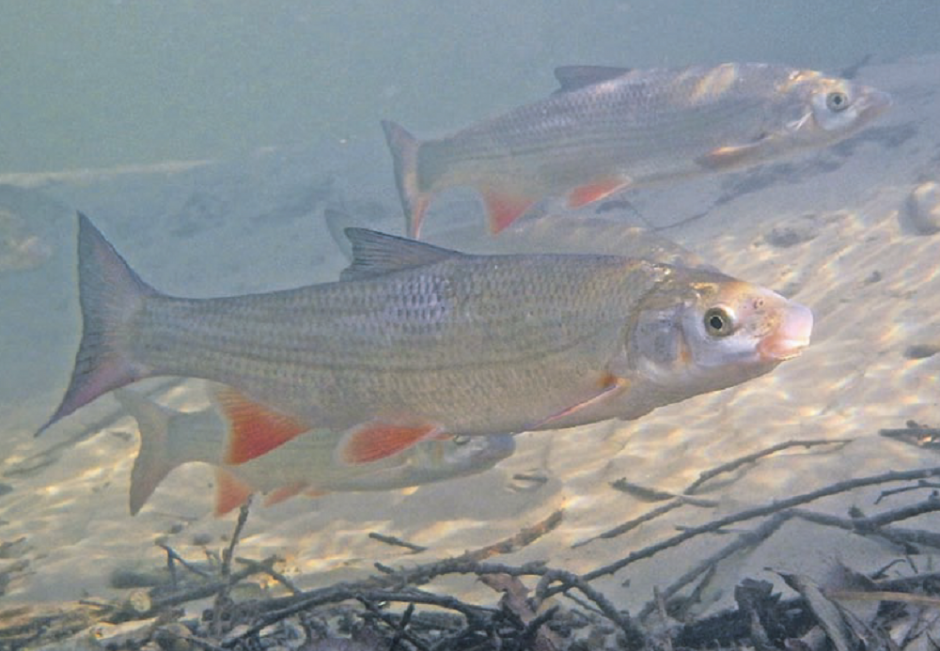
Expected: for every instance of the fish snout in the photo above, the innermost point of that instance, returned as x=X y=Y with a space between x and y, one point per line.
x=875 y=102
x=790 y=337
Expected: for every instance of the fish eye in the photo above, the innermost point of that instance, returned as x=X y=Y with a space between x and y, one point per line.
x=718 y=322
x=837 y=101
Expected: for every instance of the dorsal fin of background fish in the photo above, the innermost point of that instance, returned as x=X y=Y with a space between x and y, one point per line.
x=376 y=254
x=578 y=77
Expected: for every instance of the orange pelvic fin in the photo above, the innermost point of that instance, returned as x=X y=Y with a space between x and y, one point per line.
x=230 y=492
x=503 y=209
x=255 y=429
x=315 y=492
x=378 y=440
x=585 y=194
x=609 y=386
x=283 y=493
x=729 y=157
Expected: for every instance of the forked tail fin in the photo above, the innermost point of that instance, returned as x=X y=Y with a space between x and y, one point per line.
x=110 y=294
x=405 y=149
x=153 y=461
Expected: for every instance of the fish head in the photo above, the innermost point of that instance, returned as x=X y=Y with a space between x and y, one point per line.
x=460 y=455
x=819 y=110
x=707 y=331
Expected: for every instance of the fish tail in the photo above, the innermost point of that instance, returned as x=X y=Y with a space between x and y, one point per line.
x=110 y=293
x=154 y=461
x=405 y=150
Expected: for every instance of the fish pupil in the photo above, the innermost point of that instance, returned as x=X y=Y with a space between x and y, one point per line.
x=837 y=101
x=717 y=322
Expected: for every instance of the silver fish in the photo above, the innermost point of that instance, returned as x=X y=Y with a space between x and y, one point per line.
x=608 y=129
x=418 y=342
x=170 y=438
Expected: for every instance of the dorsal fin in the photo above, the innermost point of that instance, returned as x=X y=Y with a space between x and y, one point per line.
x=576 y=77
x=375 y=254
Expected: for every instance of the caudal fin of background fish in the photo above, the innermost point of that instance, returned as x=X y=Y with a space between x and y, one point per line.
x=154 y=460
x=110 y=293
x=503 y=204
x=405 y=149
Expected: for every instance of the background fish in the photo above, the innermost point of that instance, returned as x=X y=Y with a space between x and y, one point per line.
x=417 y=342
x=608 y=129
x=170 y=438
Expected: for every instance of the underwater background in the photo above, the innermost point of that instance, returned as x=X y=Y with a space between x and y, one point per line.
x=206 y=138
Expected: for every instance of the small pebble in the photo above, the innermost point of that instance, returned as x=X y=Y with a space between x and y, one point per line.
x=202 y=539
x=799 y=231
x=924 y=208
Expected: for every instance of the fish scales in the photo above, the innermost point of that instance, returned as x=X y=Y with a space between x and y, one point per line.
x=631 y=125
x=406 y=340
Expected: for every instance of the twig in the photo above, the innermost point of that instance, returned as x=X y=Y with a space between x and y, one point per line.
x=203 y=591
x=570 y=580
x=744 y=541
x=641 y=492
x=173 y=557
x=631 y=524
x=344 y=592
x=531 y=630
x=751 y=458
x=767 y=509
x=398 y=542
x=686 y=496
x=398 y=625
x=236 y=535
x=525 y=537
x=270 y=571
x=222 y=596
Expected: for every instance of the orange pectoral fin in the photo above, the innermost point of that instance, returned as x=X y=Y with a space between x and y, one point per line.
x=596 y=191
x=610 y=386
x=255 y=429
x=503 y=209
x=375 y=441
x=230 y=492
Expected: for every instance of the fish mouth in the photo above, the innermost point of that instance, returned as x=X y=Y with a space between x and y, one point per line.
x=875 y=102
x=791 y=336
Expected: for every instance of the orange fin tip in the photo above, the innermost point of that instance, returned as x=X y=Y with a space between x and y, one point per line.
x=255 y=429
x=283 y=493
x=727 y=157
x=230 y=492
x=376 y=441
x=585 y=194
x=609 y=386
x=314 y=493
x=504 y=209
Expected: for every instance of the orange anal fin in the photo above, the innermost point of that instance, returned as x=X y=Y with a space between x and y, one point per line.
x=504 y=209
x=254 y=428
x=375 y=441
x=283 y=493
x=230 y=492
x=585 y=194
x=610 y=385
